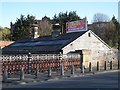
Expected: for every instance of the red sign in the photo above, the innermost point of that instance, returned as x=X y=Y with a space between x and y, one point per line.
x=75 y=26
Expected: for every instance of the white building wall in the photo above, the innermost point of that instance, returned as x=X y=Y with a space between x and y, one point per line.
x=98 y=49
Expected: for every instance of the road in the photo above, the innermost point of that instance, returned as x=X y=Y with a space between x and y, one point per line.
x=103 y=80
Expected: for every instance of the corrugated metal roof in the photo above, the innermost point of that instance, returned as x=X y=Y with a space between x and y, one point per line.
x=44 y=44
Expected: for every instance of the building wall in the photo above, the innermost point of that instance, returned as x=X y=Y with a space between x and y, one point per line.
x=98 y=49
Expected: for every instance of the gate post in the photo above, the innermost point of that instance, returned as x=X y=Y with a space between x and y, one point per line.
x=5 y=75
x=22 y=74
x=61 y=70
x=49 y=71
x=98 y=68
x=29 y=62
x=61 y=65
x=118 y=64
x=90 y=67
x=82 y=61
x=105 y=65
x=36 y=72
x=111 y=65
x=82 y=68
x=72 y=70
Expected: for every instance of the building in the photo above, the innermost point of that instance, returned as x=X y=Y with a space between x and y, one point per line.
x=86 y=41
x=78 y=40
x=5 y=43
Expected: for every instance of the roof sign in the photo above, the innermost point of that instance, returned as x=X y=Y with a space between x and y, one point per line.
x=76 y=26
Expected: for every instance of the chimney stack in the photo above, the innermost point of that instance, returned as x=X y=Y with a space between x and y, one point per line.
x=56 y=30
x=35 y=31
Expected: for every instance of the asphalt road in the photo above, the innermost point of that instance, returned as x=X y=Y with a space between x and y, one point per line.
x=104 y=80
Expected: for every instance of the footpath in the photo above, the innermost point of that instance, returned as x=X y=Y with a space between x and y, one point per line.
x=43 y=77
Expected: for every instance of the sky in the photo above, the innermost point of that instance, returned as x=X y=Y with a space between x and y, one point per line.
x=10 y=11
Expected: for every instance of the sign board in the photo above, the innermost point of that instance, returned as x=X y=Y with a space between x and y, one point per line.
x=76 y=26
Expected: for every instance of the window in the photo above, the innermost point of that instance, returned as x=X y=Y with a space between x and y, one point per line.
x=89 y=35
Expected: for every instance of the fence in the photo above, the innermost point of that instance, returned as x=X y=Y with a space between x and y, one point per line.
x=34 y=63
x=39 y=62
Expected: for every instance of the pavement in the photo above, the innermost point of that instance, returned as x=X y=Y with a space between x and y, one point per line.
x=106 y=80
x=43 y=77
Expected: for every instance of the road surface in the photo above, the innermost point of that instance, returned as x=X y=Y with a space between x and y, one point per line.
x=103 y=80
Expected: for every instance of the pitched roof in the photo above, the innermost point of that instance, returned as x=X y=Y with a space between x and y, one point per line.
x=44 y=44
x=5 y=43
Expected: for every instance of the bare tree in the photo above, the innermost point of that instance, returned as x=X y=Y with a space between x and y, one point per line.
x=103 y=27
x=45 y=28
x=105 y=30
x=100 y=17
